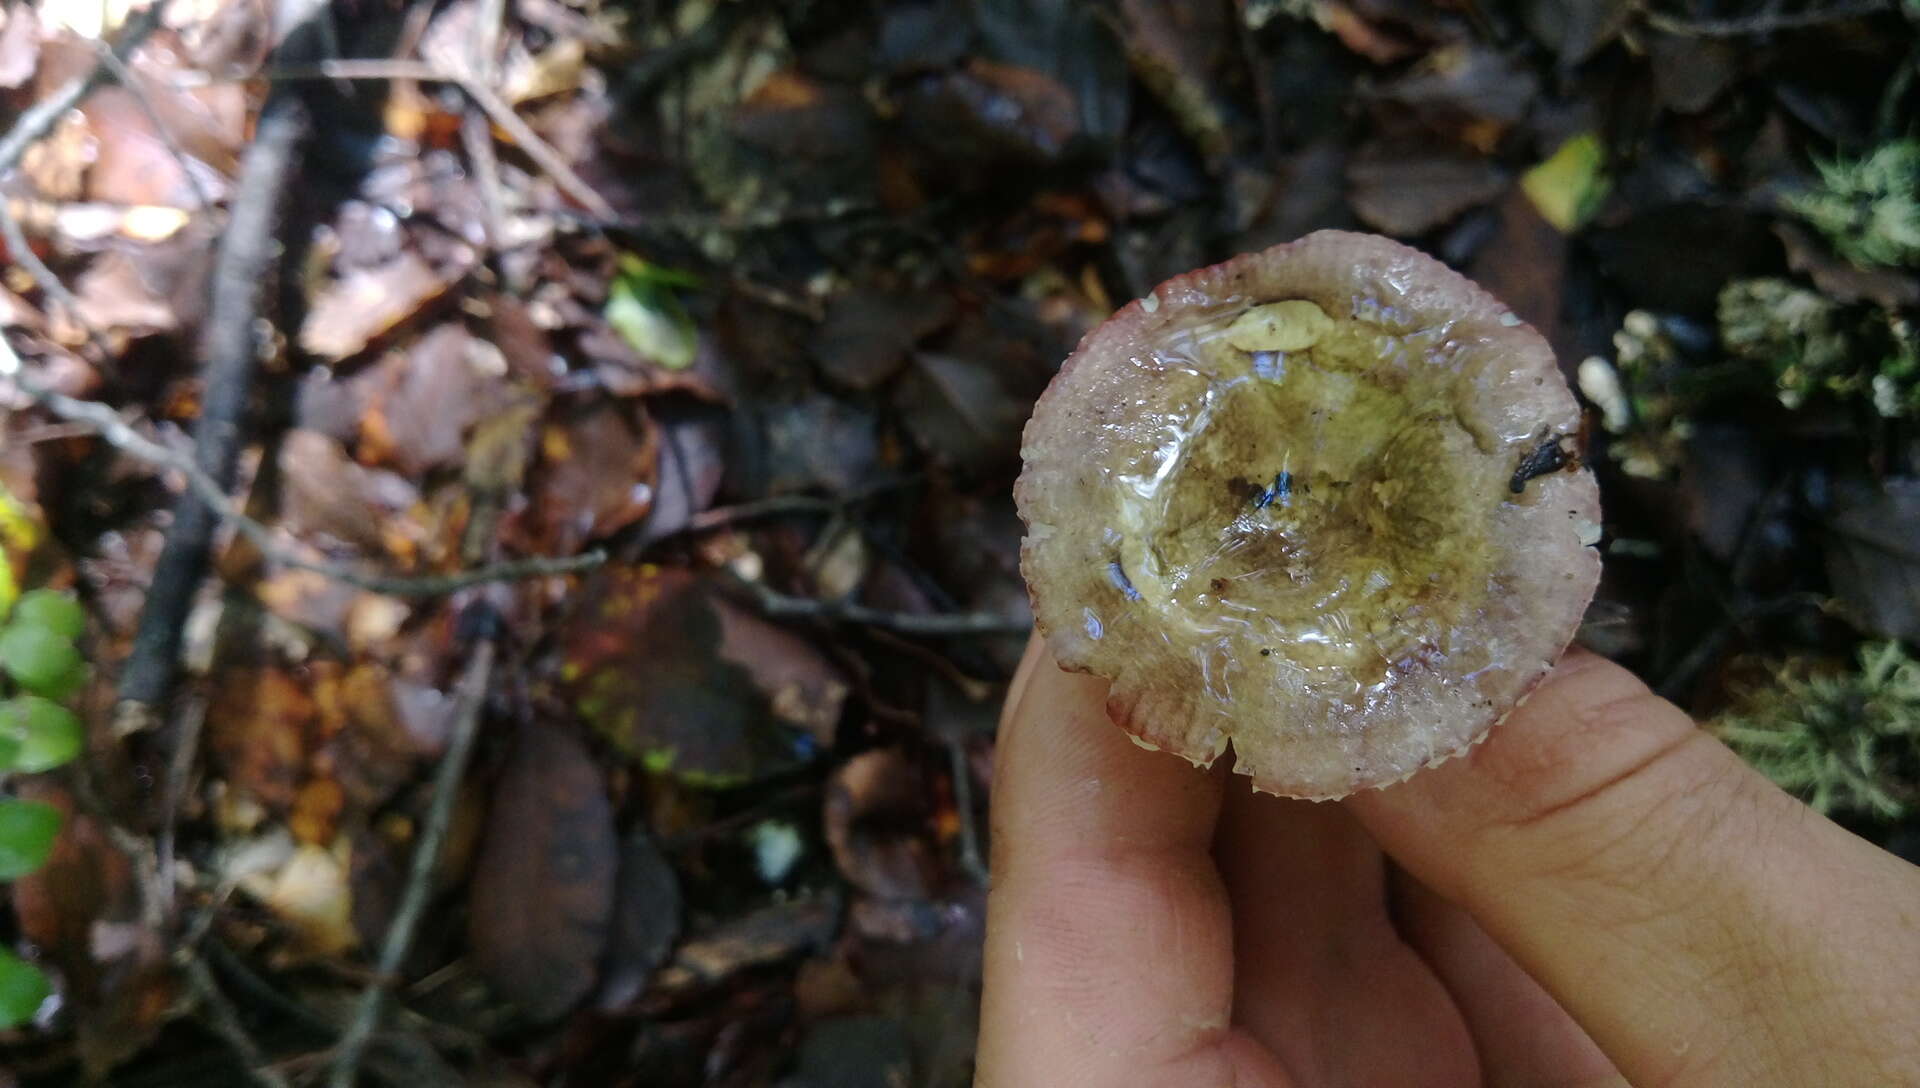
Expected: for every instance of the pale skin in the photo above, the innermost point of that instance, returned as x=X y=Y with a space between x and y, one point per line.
x=1598 y=894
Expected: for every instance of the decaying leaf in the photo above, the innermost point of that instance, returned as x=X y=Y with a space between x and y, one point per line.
x=877 y=823
x=689 y=712
x=543 y=888
x=368 y=303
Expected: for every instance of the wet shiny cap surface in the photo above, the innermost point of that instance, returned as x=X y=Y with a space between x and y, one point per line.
x=1320 y=504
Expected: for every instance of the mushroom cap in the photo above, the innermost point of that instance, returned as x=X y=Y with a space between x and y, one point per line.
x=1343 y=534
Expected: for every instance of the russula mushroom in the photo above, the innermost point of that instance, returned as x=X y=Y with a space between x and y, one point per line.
x=1319 y=503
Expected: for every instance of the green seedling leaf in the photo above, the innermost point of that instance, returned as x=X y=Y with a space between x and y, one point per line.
x=27 y=830
x=50 y=609
x=643 y=309
x=1568 y=188
x=23 y=989
x=37 y=734
x=40 y=660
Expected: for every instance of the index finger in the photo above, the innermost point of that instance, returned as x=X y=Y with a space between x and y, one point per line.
x=1109 y=947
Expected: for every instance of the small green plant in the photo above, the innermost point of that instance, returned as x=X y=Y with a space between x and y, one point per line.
x=1845 y=741
x=43 y=668
x=1816 y=347
x=1869 y=207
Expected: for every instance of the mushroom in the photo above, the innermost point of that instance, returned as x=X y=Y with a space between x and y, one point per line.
x=1321 y=503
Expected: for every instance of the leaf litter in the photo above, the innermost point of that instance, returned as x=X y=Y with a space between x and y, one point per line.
x=722 y=824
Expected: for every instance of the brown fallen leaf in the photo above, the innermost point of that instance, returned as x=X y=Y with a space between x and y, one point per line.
x=595 y=476
x=121 y=995
x=646 y=921
x=1407 y=192
x=421 y=402
x=260 y=727
x=877 y=815
x=765 y=937
x=643 y=665
x=357 y=308
x=867 y=334
x=541 y=903
x=326 y=493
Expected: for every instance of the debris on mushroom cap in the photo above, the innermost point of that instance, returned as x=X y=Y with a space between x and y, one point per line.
x=1321 y=503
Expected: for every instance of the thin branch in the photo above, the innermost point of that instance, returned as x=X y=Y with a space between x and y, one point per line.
x=40 y=119
x=240 y=270
x=106 y=423
x=497 y=109
x=426 y=853
x=50 y=284
x=972 y=862
x=225 y=1021
x=124 y=76
x=1765 y=22
x=780 y=605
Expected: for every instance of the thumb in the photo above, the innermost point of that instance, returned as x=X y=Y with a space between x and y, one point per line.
x=1701 y=925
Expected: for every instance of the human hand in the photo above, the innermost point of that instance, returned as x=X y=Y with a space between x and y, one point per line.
x=1599 y=893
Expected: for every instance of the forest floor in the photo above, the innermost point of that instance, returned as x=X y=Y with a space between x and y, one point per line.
x=536 y=476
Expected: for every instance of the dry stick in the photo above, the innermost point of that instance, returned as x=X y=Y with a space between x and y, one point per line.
x=775 y=603
x=419 y=887
x=225 y=1021
x=106 y=423
x=1765 y=23
x=50 y=284
x=496 y=108
x=239 y=273
x=40 y=119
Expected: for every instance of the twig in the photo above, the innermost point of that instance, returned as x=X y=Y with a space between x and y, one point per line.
x=50 y=285
x=497 y=109
x=426 y=853
x=106 y=423
x=225 y=1021
x=39 y=120
x=240 y=269
x=1764 y=23
x=971 y=861
x=775 y=603
x=124 y=76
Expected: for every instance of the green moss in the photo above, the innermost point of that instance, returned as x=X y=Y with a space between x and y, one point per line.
x=1814 y=347
x=1846 y=741
x=1870 y=207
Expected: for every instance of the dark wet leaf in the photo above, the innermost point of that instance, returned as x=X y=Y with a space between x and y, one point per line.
x=1873 y=554
x=765 y=937
x=643 y=664
x=327 y=495
x=1073 y=46
x=855 y=1052
x=260 y=727
x=543 y=887
x=646 y=921
x=1690 y=72
x=803 y=688
x=693 y=463
x=118 y=997
x=815 y=441
x=368 y=303
x=1407 y=192
x=973 y=124
x=960 y=410
x=1469 y=92
x=421 y=402
x=877 y=821
x=1679 y=257
x=867 y=334
x=1576 y=29
x=596 y=476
